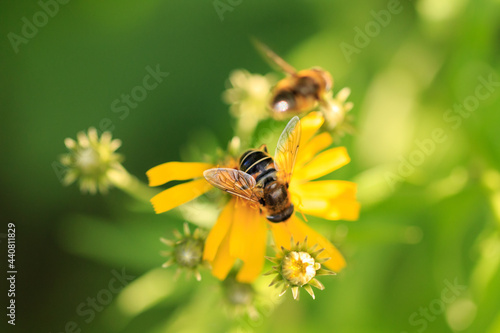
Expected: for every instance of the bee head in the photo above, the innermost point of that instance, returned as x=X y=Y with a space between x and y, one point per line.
x=325 y=78
x=283 y=101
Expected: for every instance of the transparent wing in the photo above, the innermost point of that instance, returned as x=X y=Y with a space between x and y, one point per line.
x=274 y=59
x=233 y=181
x=287 y=148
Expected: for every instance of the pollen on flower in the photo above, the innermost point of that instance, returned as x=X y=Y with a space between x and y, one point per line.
x=90 y=160
x=297 y=268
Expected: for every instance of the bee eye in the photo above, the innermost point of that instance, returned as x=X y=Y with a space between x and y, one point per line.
x=284 y=101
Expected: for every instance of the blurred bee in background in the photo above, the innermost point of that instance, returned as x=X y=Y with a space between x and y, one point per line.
x=304 y=90
x=301 y=90
x=262 y=180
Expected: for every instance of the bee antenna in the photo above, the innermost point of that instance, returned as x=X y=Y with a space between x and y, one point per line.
x=257 y=43
x=300 y=210
x=305 y=218
x=274 y=60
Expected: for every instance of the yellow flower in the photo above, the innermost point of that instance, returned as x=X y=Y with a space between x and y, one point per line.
x=179 y=194
x=329 y=199
x=241 y=231
x=298 y=268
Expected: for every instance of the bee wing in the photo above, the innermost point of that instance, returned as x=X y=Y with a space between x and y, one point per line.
x=273 y=58
x=287 y=148
x=233 y=181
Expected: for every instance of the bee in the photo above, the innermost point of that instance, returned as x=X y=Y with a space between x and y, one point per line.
x=262 y=180
x=300 y=91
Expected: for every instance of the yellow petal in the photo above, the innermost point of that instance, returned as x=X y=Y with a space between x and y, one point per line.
x=223 y=261
x=310 y=124
x=330 y=209
x=336 y=261
x=166 y=172
x=282 y=233
x=219 y=231
x=325 y=189
x=342 y=210
x=326 y=162
x=179 y=194
x=329 y=199
x=244 y=224
x=253 y=258
x=314 y=146
x=312 y=206
x=248 y=240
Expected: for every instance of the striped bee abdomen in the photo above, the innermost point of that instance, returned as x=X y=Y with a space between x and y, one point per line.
x=274 y=192
x=259 y=164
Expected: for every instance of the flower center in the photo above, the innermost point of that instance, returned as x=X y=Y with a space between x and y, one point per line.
x=299 y=268
x=189 y=252
x=239 y=293
x=88 y=160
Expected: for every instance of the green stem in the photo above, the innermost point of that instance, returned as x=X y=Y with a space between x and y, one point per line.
x=129 y=184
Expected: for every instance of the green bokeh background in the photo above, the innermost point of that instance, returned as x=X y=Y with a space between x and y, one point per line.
x=438 y=223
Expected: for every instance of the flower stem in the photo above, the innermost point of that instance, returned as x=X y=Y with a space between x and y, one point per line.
x=129 y=184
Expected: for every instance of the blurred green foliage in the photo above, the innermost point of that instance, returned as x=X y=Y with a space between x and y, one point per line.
x=437 y=223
